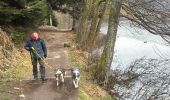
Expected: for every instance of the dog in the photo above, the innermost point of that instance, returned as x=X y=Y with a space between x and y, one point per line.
x=75 y=77
x=59 y=75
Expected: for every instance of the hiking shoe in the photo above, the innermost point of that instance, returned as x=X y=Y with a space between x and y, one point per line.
x=44 y=80
x=35 y=78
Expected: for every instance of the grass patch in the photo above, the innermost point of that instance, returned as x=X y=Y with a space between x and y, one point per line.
x=20 y=71
x=88 y=89
x=11 y=77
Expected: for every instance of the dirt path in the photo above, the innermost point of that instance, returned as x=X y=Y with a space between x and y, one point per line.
x=57 y=55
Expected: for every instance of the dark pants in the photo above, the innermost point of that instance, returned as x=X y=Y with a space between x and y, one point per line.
x=42 y=68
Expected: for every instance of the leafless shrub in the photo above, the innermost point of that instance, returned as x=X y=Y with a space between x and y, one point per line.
x=152 y=15
x=145 y=79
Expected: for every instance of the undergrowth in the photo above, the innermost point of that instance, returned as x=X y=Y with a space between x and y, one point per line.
x=14 y=62
x=14 y=65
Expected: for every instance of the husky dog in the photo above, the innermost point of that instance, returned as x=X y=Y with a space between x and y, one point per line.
x=75 y=76
x=59 y=74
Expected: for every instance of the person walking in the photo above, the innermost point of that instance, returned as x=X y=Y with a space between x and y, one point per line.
x=38 y=51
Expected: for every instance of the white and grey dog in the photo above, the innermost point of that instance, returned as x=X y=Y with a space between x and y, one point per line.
x=76 y=76
x=59 y=74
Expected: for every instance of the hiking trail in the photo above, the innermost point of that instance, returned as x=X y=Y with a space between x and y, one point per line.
x=57 y=56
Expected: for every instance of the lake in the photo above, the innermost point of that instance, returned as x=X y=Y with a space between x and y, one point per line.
x=150 y=56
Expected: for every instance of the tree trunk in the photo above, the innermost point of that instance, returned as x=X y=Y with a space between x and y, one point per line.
x=92 y=35
x=101 y=15
x=107 y=55
x=89 y=24
x=51 y=24
x=83 y=25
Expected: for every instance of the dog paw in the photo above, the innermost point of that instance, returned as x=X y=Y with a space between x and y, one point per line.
x=76 y=86
x=57 y=83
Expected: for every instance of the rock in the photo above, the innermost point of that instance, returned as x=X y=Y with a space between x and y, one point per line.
x=22 y=96
x=66 y=44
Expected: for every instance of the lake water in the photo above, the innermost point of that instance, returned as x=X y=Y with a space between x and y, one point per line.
x=133 y=43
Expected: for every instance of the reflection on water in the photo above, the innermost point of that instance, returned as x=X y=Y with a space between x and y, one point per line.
x=134 y=43
x=149 y=77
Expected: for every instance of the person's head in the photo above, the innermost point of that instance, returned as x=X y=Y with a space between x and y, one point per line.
x=34 y=36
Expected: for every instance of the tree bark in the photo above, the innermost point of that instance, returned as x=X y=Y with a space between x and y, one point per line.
x=105 y=61
x=92 y=35
x=89 y=24
x=101 y=15
x=95 y=24
x=83 y=25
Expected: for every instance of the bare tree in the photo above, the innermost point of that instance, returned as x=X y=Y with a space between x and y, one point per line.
x=105 y=61
x=90 y=21
x=150 y=14
x=145 y=79
x=153 y=15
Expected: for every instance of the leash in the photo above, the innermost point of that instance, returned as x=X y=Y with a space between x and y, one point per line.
x=42 y=58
